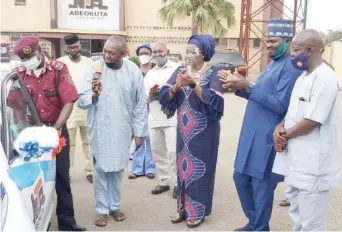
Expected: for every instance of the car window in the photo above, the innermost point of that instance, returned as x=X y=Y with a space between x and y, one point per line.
x=233 y=58
x=18 y=111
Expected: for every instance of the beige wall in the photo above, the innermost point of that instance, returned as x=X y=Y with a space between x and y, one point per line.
x=142 y=22
x=333 y=54
x=25 y=17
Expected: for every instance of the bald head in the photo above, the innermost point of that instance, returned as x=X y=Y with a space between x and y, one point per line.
x=308 y=38
x=117 y=41
x=114 y=49
x=159 y=46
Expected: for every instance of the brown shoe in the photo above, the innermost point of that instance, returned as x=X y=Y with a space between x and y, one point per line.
x=101 y=220
x=118 y=215
x=284 y=203
x=160 y=189
x=194 y=223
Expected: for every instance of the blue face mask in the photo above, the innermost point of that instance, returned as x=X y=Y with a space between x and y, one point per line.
x=300 y=62
x=280 y=51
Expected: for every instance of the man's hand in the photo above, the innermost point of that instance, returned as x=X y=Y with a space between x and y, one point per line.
x=96 y=86
x=279 y=135
x=154 y=89
x=279 y=148
x=138 y=142
x=232 y=82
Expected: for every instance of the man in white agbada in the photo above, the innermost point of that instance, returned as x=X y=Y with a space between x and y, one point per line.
x=116 y=103
x=163 y=131
x=77 y=65
x=307 y=140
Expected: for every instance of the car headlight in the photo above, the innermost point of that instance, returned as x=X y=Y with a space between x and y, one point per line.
x=3 y=205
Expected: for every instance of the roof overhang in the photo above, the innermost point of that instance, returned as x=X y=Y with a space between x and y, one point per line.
x=60 y=33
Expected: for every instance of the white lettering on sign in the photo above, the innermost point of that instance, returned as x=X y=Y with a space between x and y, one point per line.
x=89 y=14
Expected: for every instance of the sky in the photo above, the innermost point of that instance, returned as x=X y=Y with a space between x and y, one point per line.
x=323 y=15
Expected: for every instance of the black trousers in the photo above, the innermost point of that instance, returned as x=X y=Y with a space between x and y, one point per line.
x=65 y=207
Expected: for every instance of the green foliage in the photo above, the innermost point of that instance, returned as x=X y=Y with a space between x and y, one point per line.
x=332 y=35
x=135 y=60
x=205 y=14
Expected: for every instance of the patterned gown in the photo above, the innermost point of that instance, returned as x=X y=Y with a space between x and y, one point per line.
x=198 y=134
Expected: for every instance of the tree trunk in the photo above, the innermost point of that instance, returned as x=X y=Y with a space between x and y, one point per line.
x=194 y=25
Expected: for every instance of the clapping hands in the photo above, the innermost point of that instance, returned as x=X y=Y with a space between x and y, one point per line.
x=232 y=81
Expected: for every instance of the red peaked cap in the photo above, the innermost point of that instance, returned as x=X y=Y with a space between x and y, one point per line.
x=26 y=45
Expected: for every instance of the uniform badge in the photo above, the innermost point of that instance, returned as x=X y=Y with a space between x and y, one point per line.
x=69 y=79
x=27 y=50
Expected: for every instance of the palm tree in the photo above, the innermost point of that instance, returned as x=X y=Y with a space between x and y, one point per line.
x=205 y=14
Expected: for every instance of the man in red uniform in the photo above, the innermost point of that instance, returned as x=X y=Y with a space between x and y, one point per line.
x=53 y=92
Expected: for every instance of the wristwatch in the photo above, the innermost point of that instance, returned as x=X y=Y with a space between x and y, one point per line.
x=58 y=127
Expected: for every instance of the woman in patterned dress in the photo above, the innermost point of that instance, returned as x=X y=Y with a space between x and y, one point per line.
x=195 y=92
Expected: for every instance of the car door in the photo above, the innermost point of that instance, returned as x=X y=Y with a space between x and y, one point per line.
x=35 y=176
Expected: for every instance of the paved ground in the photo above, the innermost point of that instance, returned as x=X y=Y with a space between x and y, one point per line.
x=147 y=212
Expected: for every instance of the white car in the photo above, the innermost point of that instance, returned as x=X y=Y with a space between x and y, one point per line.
x=27 y=165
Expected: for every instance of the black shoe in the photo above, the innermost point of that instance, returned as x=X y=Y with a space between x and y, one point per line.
x=90 y=178
x=73 y=228
x=245 y=228
x=160 y=189
x=174 y=194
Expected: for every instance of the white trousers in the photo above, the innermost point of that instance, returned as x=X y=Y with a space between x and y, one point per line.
x=309 y=209
x=107 y=190
x=163 y=146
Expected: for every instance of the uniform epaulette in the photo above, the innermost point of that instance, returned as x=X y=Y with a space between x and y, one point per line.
x=55 y=64
x=21 y=68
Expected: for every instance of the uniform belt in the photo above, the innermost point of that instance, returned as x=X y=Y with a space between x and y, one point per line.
x=49 y=124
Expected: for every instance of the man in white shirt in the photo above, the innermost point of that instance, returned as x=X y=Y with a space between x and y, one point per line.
x=77 y=66
x=307 y=140
x=162 y=131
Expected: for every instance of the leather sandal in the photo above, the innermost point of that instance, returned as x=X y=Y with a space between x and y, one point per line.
x=284 y=203
x=101 y=220
x=160 y=189
x=194 y=223
x=178 y=217
x=118 y=215
x=150 y=175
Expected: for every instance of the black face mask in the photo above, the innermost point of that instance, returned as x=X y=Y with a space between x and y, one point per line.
x=113 y=65
x=74 y=55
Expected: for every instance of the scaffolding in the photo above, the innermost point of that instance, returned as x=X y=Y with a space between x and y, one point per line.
x=249 y=24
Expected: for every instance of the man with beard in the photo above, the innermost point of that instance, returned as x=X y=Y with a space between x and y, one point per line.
x=115 y=97
x=77 y=65
x=268 y=101
x=53 y=93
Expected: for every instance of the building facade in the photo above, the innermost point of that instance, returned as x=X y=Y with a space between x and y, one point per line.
x=94 y=20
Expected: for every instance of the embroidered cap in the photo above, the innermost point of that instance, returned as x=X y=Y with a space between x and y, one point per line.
x=280 y=28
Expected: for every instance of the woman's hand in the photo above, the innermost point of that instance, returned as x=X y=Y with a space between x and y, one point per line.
x=179 y=79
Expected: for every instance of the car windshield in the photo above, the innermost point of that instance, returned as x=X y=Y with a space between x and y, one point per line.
x=233 y=58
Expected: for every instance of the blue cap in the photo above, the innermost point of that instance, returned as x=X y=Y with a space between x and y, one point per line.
x=280 y=28
x=147 y=46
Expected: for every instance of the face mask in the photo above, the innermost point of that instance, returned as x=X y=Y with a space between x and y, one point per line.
x=300 y=62
x=74 y=55
x=160 y=60
x=280 y=51
x=144 y=59
x=32 y=63
x=113 y=65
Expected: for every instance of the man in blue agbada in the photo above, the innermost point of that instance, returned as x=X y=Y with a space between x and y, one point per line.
x=268 y=101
